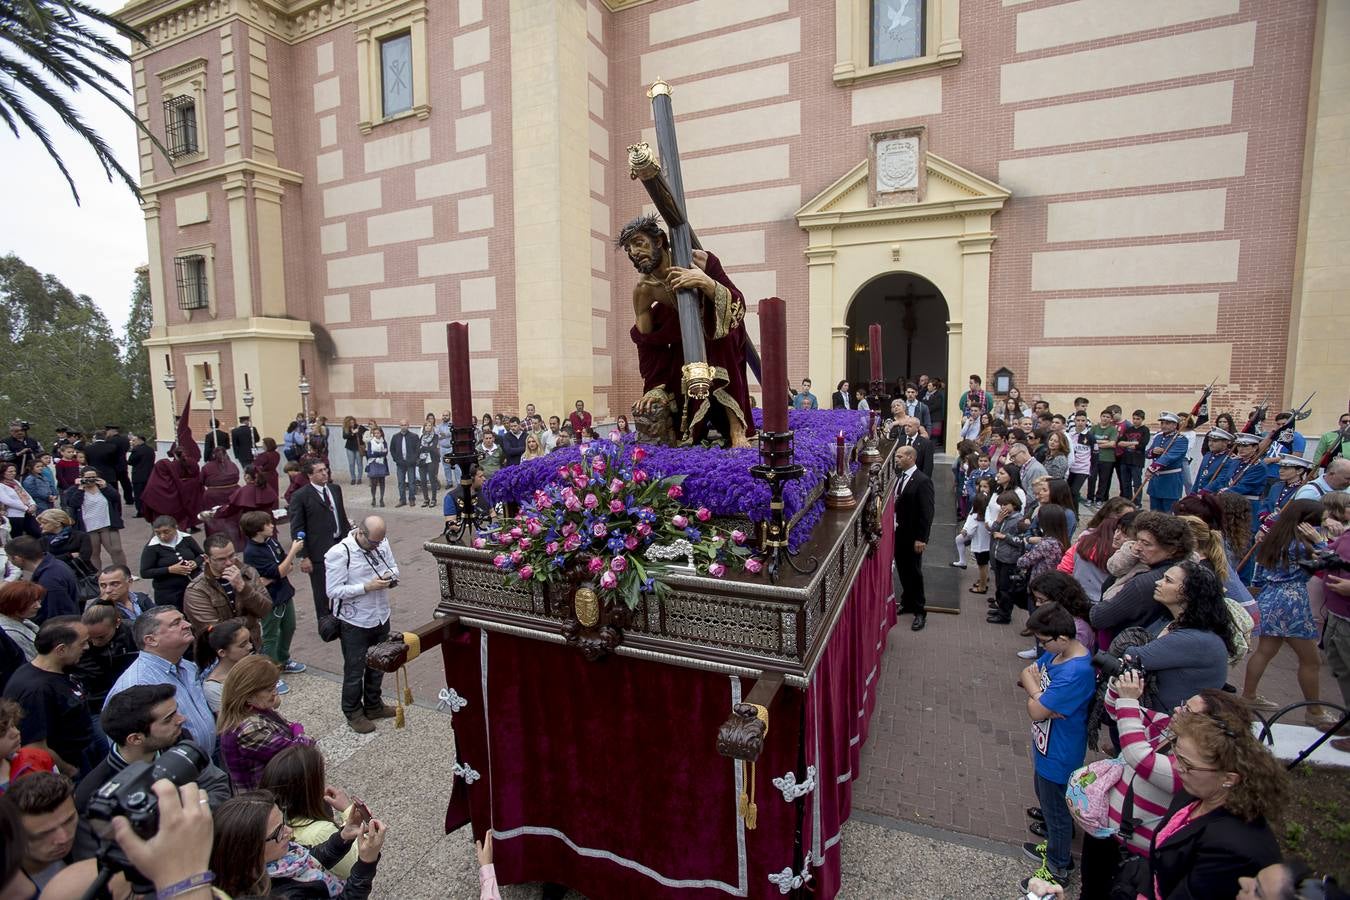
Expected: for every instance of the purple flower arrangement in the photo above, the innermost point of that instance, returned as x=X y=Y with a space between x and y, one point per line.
x=599 y=511
x=714 y=478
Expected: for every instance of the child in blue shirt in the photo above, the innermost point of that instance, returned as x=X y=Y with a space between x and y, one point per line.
x=1059 y=687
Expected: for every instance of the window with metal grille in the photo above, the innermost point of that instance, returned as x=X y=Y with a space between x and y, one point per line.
x=191 y=275
x=897 y=30
x=180 y=125
x=396 y=74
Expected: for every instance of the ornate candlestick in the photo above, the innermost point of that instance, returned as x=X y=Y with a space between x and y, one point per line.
x=777 y=468
x=170 y=382
x=463 y=448
x=870 y=453
x=840 y=494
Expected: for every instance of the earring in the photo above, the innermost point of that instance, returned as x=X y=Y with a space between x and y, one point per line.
x=1228 y=784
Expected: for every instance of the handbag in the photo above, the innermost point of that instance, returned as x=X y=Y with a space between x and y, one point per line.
x=330 y=627
x=377 y=468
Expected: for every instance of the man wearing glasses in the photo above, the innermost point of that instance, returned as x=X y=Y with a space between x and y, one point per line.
x=360 y=572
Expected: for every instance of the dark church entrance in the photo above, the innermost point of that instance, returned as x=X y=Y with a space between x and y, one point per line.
x=913 y=317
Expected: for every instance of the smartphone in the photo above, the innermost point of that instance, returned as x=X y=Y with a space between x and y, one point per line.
x=360 y=812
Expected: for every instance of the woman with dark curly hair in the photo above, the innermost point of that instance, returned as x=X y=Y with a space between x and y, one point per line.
x=1217 y=829
x=1237 y=531
x=1192 y=652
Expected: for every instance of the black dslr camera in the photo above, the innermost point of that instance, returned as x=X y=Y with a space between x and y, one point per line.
x=128 y=792
x=1324 y=561
x=1113 y=666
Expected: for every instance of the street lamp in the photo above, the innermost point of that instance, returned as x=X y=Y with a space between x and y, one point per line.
x=304 y=390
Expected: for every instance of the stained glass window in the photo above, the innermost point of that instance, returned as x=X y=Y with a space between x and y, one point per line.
x=396 y=74
x=897 y=30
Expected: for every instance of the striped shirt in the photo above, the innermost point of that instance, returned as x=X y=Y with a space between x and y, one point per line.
x=151 y=669
x=1152 y=773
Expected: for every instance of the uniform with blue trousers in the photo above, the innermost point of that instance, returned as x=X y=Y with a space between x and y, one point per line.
x=1216 y=466
x=1248 y=479
x=1168 y=455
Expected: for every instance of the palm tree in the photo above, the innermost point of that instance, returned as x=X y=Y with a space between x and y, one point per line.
x=48 y=47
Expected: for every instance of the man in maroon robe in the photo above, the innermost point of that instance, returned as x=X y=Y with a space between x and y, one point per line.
x=656 y=332
x=175 y=486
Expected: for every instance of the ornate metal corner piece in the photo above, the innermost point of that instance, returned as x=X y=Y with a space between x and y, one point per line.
x=742 y=734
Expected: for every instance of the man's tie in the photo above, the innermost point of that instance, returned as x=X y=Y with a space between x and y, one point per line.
x=904 y=481
x=328 y=502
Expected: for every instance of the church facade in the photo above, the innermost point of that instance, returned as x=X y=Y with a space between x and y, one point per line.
x=1123 y=200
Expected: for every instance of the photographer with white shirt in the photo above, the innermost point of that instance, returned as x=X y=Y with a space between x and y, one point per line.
x=360 y=572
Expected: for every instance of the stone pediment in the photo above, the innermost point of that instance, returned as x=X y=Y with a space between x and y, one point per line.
x=951 y=191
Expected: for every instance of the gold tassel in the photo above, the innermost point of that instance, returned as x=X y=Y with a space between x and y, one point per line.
x=746 y=806
x=402 y=694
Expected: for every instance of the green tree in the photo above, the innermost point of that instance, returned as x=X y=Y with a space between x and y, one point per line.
x=63 y=365
x=140 y=415
x=52 y=48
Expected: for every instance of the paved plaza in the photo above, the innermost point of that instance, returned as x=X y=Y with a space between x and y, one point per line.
x=938 y=805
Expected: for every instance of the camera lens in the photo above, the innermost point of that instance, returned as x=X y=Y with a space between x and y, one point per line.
x=181 y=763
x=1109 y=664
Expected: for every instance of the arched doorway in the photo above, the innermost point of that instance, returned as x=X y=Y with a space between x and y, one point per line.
x=913 y=316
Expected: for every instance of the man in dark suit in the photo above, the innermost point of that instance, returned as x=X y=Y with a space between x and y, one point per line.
x=243 y=438
x=914 y=504
x=842 y=397
x=917 y=408
x=403 y=449
x=101 y=454
x=215 y=437
x=123 y=444
x=142 y=462
x=906 y=432
x=316 y=509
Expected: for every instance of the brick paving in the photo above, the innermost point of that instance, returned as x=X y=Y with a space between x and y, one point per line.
x=949 y=747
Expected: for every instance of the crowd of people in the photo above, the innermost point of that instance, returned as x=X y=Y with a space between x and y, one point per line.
x=1142 y=619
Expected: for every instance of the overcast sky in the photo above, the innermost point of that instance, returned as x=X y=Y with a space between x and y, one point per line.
x=94 y=248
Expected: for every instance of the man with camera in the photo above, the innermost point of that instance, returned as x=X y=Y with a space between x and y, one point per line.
x=227 y=588
x=361 y=570
x=97 y=510
x=142 y=722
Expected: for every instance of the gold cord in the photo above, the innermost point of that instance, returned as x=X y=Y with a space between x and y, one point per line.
x=747 y=807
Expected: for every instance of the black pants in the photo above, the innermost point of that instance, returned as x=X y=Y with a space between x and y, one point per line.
x=360 y=683
x=1003 y=589
x=1076 y=481
x=1129 y=475
x=909 y=566
x=318 y=584
x=138 y=488
x=1104 y=470
x=1100 y=863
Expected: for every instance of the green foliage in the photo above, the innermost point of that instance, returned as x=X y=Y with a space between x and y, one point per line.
x=140 y=416
x=51 y=49
x=63 y=364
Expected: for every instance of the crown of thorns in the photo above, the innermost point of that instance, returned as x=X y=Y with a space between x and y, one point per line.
x=648 y=225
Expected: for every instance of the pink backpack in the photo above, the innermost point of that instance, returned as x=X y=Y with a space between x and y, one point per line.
x=1089 y=795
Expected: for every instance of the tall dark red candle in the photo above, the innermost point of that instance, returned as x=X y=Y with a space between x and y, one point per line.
x=874 y=351
x=461 y=392
x=168 y=365
x=773 y=350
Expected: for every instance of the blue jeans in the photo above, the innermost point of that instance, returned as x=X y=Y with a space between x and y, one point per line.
x=354 y=466
x=1129 y=475
x=407 y=483
x=1058 y=823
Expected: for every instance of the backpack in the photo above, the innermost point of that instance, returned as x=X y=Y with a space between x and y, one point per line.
x=1242 y=630
x=1088 y=795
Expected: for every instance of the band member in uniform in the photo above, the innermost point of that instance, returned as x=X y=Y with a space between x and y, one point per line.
x=1292 y=470
x=1166 y=454
x=1217 y=465
x=1249 y=476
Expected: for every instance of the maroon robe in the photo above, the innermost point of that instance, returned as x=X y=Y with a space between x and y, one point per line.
x=265 y=469
x=245 y=498
x=661 y=353
x=220 y=477
x=175 y=487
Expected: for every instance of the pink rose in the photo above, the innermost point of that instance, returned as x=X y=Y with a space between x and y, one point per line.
x=526 y=572
x=552 y=548
x=545 y=502
x=595 y=565
x=569 y=528
x=717 y=539
x=644 y=529
x=608 y=580
x=599 y=530
x=717 y=570
x=499 y=560
x=572 y=542
x=577 y=470
x=526 y=543
x=631 y=542
x=738 y=536
x=479 y=543
x=573 y=504
x=516 y=532
x=618 y=564
x=516 y=557
x=598 y=465
x=639 y=454
x=675 y=492
x=679 y=521
x=580 y=483
x=591 y=501
x=616 y=506
x=505 y=539
x=534 y=527
x=703 y=514
x=753 y=565
x=615 y=486
x=639 y=476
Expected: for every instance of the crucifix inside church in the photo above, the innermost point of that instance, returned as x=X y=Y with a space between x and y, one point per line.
x=904 y=304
